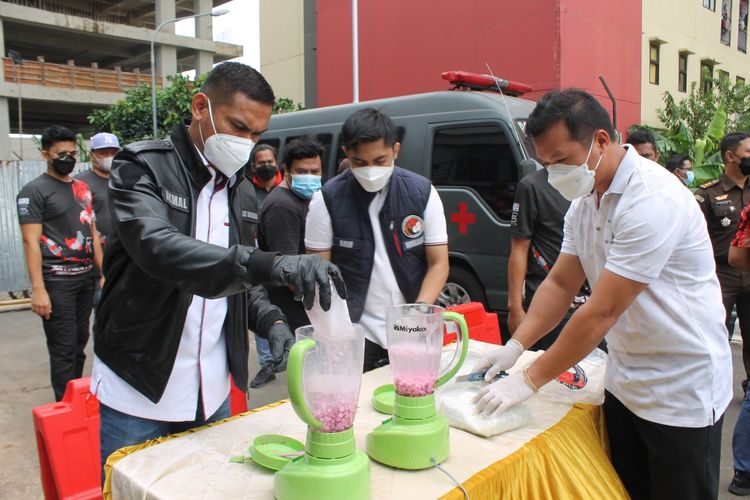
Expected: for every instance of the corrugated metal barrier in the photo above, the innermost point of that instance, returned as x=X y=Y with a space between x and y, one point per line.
x=13 y=176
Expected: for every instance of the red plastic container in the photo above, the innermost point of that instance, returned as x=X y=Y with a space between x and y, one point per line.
x=483 y=326
x=237 y=399
x=67 y=439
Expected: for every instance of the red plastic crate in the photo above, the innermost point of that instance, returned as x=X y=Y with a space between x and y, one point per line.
x=483 y=326
x=67 y=439
x=237 y=399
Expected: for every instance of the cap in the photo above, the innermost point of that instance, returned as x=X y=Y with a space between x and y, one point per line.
x=104 y=140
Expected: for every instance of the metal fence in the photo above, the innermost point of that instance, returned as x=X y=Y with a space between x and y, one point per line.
x=13 y=176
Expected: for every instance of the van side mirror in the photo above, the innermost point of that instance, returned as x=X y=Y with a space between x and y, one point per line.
x=527 y=166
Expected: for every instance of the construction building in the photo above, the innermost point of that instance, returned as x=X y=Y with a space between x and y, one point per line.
x=64 y=58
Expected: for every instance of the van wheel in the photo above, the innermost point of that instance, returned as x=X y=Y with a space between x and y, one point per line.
x=462 y=287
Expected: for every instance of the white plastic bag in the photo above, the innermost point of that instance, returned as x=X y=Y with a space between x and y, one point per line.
x=584 y=383
x=455 y=403
x=334 y=322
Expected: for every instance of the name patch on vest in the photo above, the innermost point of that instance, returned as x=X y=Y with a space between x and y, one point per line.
x=175 y=200
x=414 y=243
x=250 y=215
x=350 y=244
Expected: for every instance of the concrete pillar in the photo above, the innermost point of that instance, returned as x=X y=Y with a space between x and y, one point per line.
x=204 y=60
x=5 y=151
x=166 y=55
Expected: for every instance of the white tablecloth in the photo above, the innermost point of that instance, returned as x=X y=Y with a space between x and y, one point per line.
x=196 y=466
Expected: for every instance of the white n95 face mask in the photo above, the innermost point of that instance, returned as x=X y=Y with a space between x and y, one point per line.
x=573 y=181
x=228 y=153
x=105 y=163
x=373 y=179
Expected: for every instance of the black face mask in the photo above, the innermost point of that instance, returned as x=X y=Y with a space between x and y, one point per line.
x=745 y=166
x=266 y=172
x=64 y=165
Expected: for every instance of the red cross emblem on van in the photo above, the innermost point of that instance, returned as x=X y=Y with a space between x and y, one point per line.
x=463 y=217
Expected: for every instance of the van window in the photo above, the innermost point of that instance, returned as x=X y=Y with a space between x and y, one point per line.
x=478 y=157
x=271 y=142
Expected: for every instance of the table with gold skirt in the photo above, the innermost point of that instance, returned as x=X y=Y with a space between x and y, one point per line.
x=560 y=454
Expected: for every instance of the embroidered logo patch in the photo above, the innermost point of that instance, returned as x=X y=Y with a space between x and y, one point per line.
x=574 y=378
x=413 y=226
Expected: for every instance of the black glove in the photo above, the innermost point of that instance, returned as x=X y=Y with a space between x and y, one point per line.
x=280 y=340
x=302 y=272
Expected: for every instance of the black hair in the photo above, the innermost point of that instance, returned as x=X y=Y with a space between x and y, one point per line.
x=302 y=148
x=228 y=78
x=731 y=141
x=368 y=125
x=675 y=161
x=580 y=111
x=263 y=147
x=56 y=133
x=641 y=136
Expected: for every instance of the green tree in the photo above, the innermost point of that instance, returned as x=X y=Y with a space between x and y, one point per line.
x=695 y=125
x=130 y=118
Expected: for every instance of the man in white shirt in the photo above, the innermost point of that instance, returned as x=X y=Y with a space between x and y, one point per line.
x=634 y=232
x=383 y=226
x=172 y=324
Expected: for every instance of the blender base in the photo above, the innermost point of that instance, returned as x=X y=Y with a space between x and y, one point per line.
x=345 y=478
x=410 y=444
x=331 y=469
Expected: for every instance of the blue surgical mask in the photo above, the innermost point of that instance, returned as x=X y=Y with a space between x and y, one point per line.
x=304 y=185
x=689 y=177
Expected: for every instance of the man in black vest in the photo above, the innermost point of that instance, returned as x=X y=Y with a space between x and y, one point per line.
x=383 y=226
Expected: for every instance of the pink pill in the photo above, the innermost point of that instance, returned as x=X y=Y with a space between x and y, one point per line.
x=335 y=416
x=415 y=385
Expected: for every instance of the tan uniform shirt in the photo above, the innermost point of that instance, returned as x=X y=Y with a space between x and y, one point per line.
x=722 y=201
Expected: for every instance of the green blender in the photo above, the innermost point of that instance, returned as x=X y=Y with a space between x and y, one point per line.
x=324 y=376
x=416 y=436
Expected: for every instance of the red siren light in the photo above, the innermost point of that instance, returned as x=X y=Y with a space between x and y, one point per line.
x=465 y=80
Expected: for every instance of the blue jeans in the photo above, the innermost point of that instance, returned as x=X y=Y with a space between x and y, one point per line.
x=741 y=437
x=117 y=429
x=264 y=351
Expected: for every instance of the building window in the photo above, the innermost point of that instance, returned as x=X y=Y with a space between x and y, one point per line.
x=682 y=65
x=726 y=22
x=653 y=63
x=740 y=80
x=479 y=158
x=742 y=27
x=722 y=75
x=707 y=75
x=710 y=4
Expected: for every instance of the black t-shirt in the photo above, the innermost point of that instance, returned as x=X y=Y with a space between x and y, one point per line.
x=281 y=228
x=65 y=211
x=538 y=215
x=282 y=222
x=100 y=191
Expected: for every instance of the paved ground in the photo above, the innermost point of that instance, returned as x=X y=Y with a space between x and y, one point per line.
x=24 y=384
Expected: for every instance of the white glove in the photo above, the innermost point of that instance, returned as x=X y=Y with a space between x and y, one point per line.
x=501 y=395
x=500 y=359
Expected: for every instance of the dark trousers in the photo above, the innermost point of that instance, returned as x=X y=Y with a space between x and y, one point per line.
x=735 y=292
x=662 y=462
x=67 y=329
x=375 y=356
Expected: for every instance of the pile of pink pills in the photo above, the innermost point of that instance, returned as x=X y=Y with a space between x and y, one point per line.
x=335 y=416
x=415 y=385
